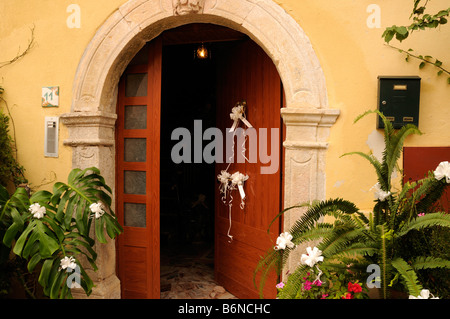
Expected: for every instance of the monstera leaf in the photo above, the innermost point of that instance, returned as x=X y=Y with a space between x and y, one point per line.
x=54 y=230
x=84 y=188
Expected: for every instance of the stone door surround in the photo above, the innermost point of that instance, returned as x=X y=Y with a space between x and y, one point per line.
x=307 y=117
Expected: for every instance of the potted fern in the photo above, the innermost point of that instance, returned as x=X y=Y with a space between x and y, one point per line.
x=54 y=231
x=354 y=242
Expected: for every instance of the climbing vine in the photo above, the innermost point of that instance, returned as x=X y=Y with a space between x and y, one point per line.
x=10 y=170
x=420 y=21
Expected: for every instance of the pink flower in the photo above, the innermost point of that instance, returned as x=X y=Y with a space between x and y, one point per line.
x=307 y=285
x=280 y=285
x=324 y=296
x=317 y=282
x=421 y=214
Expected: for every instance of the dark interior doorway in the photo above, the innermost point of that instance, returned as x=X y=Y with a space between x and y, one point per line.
x=187 y=189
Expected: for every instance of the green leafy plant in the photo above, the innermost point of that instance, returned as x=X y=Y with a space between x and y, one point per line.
x=10 y=170
x=355 y=240
x=420 y=21
x=53 y=230
x=325 y=285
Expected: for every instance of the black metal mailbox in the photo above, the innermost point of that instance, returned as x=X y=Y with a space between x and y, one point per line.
x=398 y=100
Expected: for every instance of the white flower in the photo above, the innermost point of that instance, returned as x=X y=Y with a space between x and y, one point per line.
x=97 y=209
x=37 y=210
x=284 y=240
x=68 y=262
x=236 y=112
x=238 y=178
x=380 y=194
x=424 y=294
x=223 y=177
x=443 y=170
x=312 y=257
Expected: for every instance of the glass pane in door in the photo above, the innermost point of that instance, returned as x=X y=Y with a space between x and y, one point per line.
x=136 y=84
x=134 y=215
x=135 y=149
x=135 y=117
x=134 y=182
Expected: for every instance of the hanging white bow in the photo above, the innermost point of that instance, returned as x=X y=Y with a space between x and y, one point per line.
x=238 y=179
x=238 y=114
x=230 y=182
x=224 y=179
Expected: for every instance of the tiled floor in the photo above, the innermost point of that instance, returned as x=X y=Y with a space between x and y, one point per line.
x=187 y=272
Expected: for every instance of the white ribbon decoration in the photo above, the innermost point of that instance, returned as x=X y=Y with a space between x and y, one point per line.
x=224 y=178
x=319 y=274
x=230 y=182
x=229 y=219
x=238 y=179
x=227 y=181
x=238 y=113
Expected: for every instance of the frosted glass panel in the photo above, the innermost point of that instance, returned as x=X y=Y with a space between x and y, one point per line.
x=136 y=84
x=134 y=215
x=134 y=182
x=135 y=117
x=135 y=149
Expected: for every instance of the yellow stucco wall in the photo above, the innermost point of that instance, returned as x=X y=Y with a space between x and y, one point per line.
x=351 y=54
x=52 y=61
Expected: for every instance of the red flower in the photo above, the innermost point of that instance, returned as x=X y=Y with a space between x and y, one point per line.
x=348 y=296
x=354 y=287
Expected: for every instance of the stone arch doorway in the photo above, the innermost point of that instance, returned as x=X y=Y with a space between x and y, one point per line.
x=306 y=115
x=179 y=218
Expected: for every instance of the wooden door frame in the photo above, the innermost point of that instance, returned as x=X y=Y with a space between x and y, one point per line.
x=307 y=116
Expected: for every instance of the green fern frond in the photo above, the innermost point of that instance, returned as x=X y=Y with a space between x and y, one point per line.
x=428 y=220
x=388 y=132
x=294 y=284
x=332 y=207
x=272 y=261
x=340 y=241
x=408 y=275
x=403 y=203
x=430 y=262
x=429 y=192
x=268 y=260
x=357 y=249
x=284 y=211
x=395 y=146
x=319 y=231
x=393 y=142
x=375 y=163
x=379 y=217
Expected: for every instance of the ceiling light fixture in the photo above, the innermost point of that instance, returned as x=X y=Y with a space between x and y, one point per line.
x=202 y=52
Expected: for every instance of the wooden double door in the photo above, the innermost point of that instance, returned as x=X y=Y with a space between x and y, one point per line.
x=243 y=72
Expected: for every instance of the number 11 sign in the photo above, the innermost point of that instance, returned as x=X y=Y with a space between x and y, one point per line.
x=50 y=96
